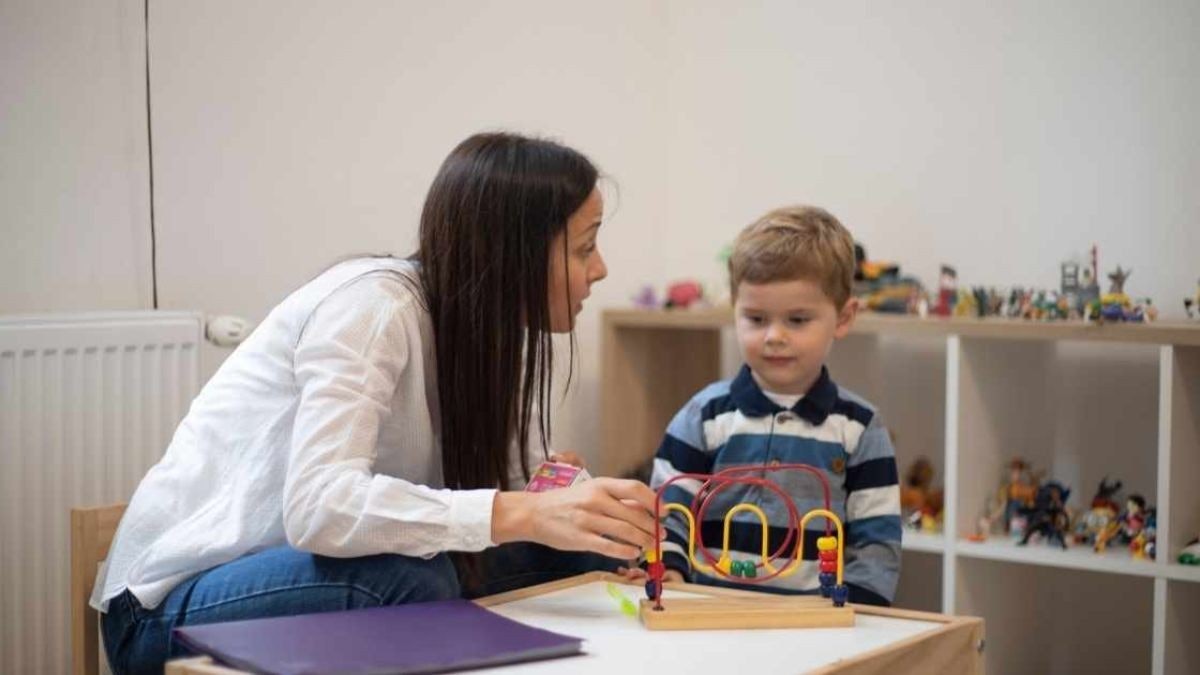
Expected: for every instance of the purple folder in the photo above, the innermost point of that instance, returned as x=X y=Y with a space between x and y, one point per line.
x=429 y=637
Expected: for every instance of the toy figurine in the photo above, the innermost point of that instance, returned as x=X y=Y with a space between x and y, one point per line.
x=646 y=298
x=880 y=287
x=947 y=291
x=1070 y=278
x=1190 y=555
x=1007 y=509
x=1144 y=544
x=1116 y=305
x=920 y=504
x=1019 y=495
x=1193 y=301
x=966 y=304
x=1102 y=512
x=1125 y=528
x=1118 y=281
x=683 y=294
x=1048 y=516
x=1089 y=289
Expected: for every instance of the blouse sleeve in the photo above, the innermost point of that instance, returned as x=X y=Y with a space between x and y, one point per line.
x=348 y=361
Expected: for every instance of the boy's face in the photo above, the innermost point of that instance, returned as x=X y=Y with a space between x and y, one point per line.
x=785 y=330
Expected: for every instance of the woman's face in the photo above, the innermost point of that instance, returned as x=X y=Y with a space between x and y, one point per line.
x=573 y=272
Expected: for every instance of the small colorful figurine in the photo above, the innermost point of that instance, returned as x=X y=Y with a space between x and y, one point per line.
x=1049 y=517
x=1100 y=515
x=1125 y=529
x=1193 y=301
x=646 y=298
x=1116 y=305
x=684 y=294
x=920 y=504
x=947 y=292
x=1144 y=543
x=1190 y=555
x=1020 y=493
x=966 y=304
x=1008 y=507
x=880 y=287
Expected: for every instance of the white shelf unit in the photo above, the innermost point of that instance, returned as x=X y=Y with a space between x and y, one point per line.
x=1078 y=401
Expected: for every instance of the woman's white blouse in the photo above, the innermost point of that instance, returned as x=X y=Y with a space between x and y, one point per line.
x=320 y=431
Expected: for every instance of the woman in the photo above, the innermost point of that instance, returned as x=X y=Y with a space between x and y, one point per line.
x=383 y=415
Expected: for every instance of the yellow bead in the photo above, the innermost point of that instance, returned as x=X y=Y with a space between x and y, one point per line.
x=826 y=543
x=724 y=564
x=651 y=555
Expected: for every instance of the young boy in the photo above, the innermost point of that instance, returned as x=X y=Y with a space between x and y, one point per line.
x=791 y=274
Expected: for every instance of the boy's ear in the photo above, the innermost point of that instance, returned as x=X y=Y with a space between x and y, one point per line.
x=845 y=320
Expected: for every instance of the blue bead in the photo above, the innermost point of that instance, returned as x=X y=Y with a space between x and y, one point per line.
x=840 y=595
x=652 y=590
x=827 y=578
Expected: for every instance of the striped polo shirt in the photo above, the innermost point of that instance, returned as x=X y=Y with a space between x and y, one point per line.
x=733 y=423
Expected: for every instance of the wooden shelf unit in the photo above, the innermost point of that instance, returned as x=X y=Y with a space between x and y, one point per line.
x=1079 y=400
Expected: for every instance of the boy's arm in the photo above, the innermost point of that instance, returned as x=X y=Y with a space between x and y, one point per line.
x=872 y=519
x=682 y=451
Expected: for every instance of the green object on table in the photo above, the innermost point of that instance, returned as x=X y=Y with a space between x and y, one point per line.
x=627 y=606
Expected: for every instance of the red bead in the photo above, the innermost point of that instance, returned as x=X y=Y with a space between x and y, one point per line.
x=655 y=570
x=828 y=565
x=827 y=555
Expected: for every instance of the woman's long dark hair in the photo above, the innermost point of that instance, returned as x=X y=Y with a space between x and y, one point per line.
x=495 y=206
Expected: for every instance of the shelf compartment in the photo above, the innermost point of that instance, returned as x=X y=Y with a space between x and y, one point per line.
x=1051 y=620
x=1180 y=451
x=1181 y=653
x=1076 y=412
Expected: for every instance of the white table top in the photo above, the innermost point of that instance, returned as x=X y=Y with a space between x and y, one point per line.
x=615 y=643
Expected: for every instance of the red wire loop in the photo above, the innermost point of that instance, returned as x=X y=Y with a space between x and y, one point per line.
x=713 y=485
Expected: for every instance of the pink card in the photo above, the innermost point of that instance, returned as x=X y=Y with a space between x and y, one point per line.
x=553 y=475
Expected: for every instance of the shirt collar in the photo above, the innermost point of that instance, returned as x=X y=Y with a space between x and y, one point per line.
x=816 y=405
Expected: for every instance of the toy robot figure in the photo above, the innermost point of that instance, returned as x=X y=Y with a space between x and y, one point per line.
x=1048 y=517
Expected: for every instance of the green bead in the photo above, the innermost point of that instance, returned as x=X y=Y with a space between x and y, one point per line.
x=736 y=569
x=749 y=570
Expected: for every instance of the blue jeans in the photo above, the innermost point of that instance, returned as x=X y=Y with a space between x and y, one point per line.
x=283 y=581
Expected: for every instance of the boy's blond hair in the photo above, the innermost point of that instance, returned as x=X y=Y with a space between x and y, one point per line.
x=795 y=243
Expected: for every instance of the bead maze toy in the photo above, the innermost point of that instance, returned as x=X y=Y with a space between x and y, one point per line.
x=768 y=611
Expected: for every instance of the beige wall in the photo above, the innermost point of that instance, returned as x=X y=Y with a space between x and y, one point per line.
x=74 y=178
x=287 y=138
x=1001 y=137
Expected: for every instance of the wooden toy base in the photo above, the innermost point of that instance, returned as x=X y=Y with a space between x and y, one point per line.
x=735 y=613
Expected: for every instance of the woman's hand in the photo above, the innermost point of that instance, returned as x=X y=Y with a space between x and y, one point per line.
x=608 y=516
x=568 y=457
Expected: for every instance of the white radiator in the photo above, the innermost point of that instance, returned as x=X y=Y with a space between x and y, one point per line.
x=87 y=404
